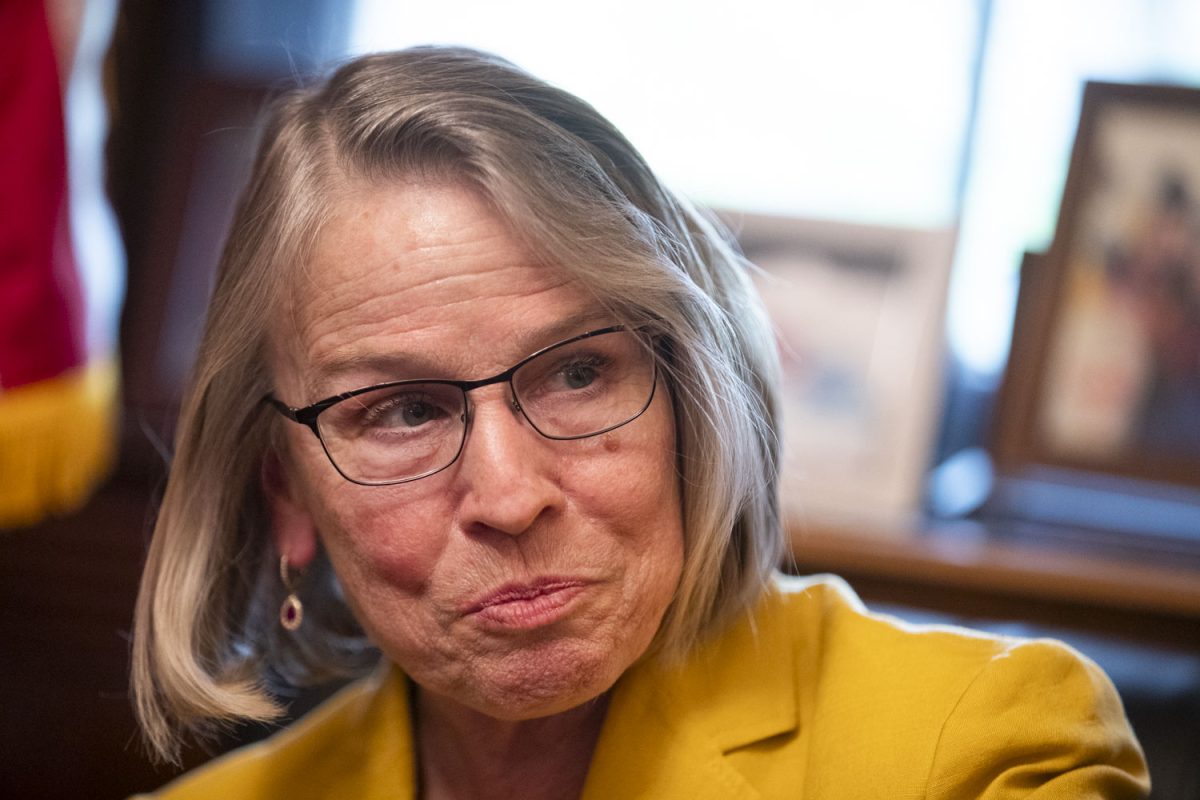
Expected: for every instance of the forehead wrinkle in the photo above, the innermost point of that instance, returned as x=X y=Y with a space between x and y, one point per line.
x=380 y=283
x=460 y=363
x=330 y=300
x=464 y=261
x=345 y=314
x=514 y=292
x=374 y=335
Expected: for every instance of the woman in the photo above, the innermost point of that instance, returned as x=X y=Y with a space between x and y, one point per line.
x=477 y=391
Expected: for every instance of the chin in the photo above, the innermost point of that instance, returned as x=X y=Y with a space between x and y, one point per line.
x=540 y=681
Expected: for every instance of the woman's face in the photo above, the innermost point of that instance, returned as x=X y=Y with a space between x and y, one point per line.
x=526 y=577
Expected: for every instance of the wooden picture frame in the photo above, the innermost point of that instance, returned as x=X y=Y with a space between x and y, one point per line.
x=859 y=317
x=1104 y=372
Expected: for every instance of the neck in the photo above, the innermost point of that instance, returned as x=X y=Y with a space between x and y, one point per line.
x=463 y=753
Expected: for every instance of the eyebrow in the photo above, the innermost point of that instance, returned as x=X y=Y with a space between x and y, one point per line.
x=399 y=365
x=318 y=385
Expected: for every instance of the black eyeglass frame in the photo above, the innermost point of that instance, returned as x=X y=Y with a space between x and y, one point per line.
x=308 y=415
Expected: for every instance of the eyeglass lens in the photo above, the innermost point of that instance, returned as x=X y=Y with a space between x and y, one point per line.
x=409 y=430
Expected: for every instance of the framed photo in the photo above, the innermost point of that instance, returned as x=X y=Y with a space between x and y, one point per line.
x=858 y=313
x=1104 y=374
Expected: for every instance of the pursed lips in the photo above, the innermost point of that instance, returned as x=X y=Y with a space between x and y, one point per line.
x=521 y=592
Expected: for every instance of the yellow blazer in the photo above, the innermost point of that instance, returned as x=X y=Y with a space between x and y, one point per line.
x=812 y=698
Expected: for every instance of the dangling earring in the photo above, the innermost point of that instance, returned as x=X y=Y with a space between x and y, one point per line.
x=291 y=613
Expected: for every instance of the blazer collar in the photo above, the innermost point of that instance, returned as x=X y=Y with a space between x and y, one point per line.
x=669 y=727
x=389 y=768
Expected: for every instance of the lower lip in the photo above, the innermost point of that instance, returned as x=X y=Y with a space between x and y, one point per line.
x=531 y=612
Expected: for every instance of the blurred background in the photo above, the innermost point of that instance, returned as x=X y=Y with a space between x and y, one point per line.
x=899 y=171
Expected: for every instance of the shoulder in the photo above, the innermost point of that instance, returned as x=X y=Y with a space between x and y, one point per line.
x=823 y=617
x=1050 y=718
x=960 y=712
x=851 y=664
x=326 y=750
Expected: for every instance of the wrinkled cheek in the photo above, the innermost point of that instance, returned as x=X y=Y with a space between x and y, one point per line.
x=383 y=551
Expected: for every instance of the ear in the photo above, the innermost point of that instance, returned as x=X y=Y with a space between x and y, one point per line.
x=292 y=527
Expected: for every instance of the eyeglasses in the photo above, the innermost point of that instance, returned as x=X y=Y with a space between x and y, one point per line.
x=406 y=430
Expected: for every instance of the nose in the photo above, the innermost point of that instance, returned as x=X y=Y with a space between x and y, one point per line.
x=506 y=472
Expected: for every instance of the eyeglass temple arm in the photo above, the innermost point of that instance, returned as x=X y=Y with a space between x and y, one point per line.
x=296 y=415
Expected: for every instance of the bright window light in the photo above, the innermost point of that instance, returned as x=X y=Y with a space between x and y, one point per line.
x=1038 y=56
x=853 y=110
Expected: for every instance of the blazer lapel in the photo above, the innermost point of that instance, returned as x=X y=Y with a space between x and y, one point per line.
x=669 y=727
x=389 y=771
x=644 y=752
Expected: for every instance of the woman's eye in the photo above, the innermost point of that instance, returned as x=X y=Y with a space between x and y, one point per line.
x=579 y=376
x=415 y=414
x=403 y=414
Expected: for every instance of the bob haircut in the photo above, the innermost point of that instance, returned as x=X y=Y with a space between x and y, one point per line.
x=572 y=189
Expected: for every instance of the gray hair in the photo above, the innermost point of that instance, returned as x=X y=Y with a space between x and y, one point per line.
x=579 y=195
